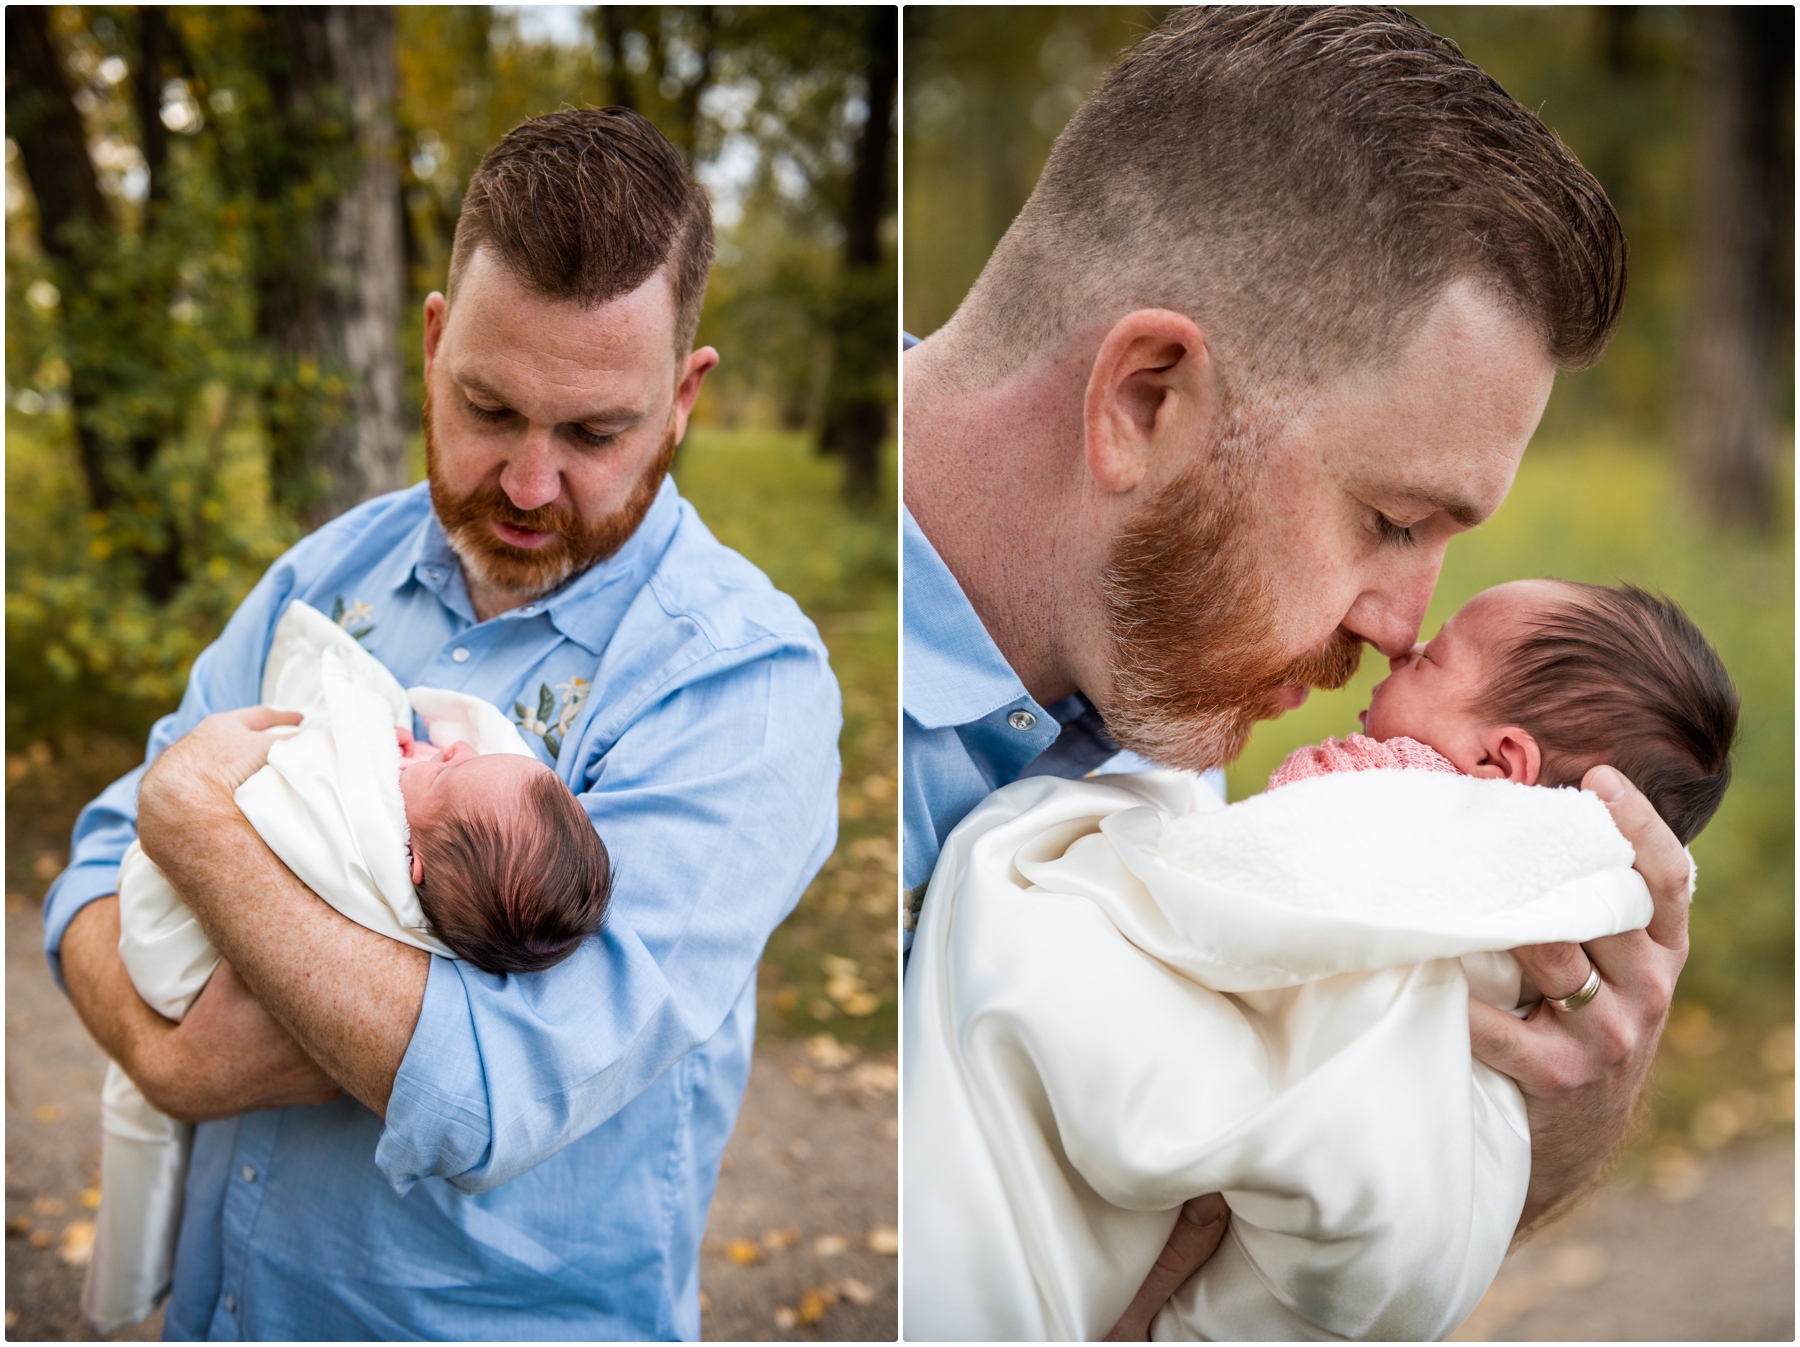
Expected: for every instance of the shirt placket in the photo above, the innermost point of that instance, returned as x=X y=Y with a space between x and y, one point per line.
x=252 y=1161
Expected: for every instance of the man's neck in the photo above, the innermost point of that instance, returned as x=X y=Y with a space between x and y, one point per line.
x=489 y=601
x=996 y=478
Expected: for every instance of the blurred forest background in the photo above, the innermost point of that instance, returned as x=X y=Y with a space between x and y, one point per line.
x=1669 y=465
x=221 y=223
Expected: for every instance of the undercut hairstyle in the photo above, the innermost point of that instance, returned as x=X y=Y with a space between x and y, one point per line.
x=1623 y=677
x=516 y=895
x=585 y=206
x=1302 y=182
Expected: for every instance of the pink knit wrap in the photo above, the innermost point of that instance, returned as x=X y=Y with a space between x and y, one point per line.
x=1358 y=753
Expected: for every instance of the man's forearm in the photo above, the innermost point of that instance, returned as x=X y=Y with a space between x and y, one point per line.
x=348 y=996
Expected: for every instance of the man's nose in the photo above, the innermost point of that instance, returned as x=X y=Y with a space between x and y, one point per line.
x=532 y=476
x=1388 y=617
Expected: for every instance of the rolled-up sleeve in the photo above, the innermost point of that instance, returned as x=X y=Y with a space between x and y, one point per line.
x=717 y=801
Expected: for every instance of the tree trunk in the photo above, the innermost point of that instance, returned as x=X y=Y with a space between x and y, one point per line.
x=336 y=317
x=41 y=118
x=1745 y=219
x=613 y=23
x=863 y=331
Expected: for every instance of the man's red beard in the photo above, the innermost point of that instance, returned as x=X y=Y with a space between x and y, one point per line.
x=1192 y=621
x=535 y=571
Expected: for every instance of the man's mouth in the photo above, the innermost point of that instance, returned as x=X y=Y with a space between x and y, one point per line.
x=1292 y=697
x=518 y=537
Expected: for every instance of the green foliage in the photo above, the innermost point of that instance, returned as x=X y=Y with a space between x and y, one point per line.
x=86 y=649
x=1606 y=512
x=770 y=498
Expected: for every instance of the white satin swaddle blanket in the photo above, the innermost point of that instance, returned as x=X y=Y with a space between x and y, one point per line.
x=328 y=804
x=1123 y=994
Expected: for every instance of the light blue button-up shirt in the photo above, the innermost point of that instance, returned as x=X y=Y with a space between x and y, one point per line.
x=553 y=1139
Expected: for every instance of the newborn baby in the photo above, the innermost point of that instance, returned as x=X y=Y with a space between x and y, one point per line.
x=1537 y=681
x=468 y=847
x=1124 y=993
x=509 y=871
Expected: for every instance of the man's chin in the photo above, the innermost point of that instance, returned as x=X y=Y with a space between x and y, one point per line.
x=528 y=573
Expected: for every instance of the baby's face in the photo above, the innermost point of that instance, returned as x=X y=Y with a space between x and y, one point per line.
x=462 y=783
x=1434 y=691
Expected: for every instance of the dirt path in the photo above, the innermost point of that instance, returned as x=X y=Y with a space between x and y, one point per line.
x=800 y=1243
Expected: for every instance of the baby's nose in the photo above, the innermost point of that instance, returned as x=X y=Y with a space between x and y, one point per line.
x=1399 y=662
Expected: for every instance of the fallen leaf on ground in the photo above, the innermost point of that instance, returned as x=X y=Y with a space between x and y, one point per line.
x=830 y=1246
x=784 y=1238
x=871 y=1080
x=705 y=1303
x=814 y=1303
x=857 y=1293
x=742 y=1251
x=785 y=1318
x=1675 y=1174
x=48 y=1206
x=18 y=1225
x=786 y=999
x=42 y=1239
x=863 y=1003
x=828 y=1054
x=90 y=1198
x=77 y=1244
x=47 y=1113
x=803 y=1076
x=835 y=966
x=884 y=1239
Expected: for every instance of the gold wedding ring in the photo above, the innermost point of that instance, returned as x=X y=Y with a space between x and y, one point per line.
x=1576 y=1000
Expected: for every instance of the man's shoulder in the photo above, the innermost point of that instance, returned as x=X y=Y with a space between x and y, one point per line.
x=382 y=521
x=727 y=599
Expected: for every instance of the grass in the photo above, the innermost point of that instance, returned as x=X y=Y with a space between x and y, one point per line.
x=1606 y=513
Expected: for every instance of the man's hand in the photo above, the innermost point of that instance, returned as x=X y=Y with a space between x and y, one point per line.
x=216 y=757
x=1582 y=1070
x=227 y=1057
x=1197 y=1233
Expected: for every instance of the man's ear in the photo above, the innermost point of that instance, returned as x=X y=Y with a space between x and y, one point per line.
x=437 y=313
x=418 y=867
x=1509 y=754
x=693 y=372
x=1152 y=373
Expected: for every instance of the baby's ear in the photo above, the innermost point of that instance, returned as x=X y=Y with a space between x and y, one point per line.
x=418 y=866
x=1510 y=754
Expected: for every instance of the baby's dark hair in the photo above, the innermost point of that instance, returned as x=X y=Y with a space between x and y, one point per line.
x=1623 y=677
x=519 y=898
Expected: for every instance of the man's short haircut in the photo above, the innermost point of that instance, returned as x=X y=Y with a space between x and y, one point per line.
x=516 y=895
x=585 y=206
x=1303 y=183
x=1623 y=677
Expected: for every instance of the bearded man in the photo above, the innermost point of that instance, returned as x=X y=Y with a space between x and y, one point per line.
x=1276 y=323
x=397 y=1145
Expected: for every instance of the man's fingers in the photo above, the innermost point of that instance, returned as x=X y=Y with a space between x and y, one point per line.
x=1196 y=1234
x=1556 y=970
x=1660 y=858
x=262 y=717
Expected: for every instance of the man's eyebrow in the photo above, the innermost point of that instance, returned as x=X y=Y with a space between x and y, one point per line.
x=1460 y=508
x=606 y=415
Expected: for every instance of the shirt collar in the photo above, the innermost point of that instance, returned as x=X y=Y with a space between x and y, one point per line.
x=955 y=673
x=589 y=608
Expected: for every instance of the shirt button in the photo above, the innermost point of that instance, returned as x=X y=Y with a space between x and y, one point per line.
x=249 y=1174
x=231 y=1304
x=1022 y=720
x=460 y=654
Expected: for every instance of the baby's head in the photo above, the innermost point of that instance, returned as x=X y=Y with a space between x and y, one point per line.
x=1539 y=680
x=510 y=873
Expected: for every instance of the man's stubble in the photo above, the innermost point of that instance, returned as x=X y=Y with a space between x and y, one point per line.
x=1196 y=657
x=578 y=544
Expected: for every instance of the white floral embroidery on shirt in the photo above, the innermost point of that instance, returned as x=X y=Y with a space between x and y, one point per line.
x=550 y=721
